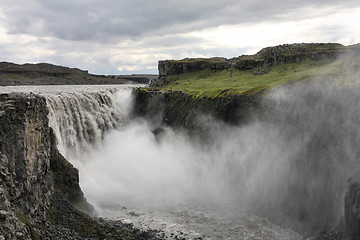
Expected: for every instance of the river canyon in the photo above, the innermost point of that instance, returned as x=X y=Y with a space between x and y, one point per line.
x=282 y=174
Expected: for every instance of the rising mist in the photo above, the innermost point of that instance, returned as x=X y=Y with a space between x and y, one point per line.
x=289 y=164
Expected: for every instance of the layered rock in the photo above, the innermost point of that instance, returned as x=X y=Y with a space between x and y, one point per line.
x=180 y=110
x=26 y=180
x=313 y=195
x=264 y=59
x=172 y=67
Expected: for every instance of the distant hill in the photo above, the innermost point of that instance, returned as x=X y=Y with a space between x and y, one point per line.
x=49 y=74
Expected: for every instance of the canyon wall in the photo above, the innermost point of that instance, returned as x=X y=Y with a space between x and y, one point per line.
x=25 y=146
x=321 y=153
x=264 y=59
x=180 y=110
x=40 y=196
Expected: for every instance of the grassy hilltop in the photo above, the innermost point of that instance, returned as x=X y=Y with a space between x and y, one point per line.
x=250 y=74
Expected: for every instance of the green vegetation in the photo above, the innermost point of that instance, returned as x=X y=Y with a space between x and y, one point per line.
x=210 y=83
x=271 y=67
x=14 y=76
x=23 y=219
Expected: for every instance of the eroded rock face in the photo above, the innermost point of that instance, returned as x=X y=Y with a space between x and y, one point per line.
x=26 y=181
x=40 y=196
x=11 y=227
x=265 y=58
x=180 y=110
x=172 y=67
x=32 y=170
x=25 y=141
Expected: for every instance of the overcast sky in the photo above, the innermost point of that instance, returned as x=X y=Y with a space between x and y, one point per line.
x=130 y=36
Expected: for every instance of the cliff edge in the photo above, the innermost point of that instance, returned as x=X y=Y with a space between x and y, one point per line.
x=40 y=196
x=265 y=58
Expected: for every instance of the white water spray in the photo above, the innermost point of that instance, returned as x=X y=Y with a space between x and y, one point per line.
x=290 y=164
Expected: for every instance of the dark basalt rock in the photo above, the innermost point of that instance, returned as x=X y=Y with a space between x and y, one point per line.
x=264 y=59
x=40 y=196
x=27 y=183
x=180 y=110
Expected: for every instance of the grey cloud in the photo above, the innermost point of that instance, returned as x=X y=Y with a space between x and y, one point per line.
x=101 y=35
x=169 y=41
x=110 y=20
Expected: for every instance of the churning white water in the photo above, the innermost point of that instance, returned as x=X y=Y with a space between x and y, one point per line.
x=288 y=166
x=169 y=182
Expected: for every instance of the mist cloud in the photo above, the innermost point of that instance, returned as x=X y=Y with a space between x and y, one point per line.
x=290 y=162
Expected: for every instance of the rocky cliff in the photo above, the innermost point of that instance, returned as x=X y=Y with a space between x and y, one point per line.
x=178 y=109
x=264 y=59
x=40 y=196
x=26 y=180
x=181 y=109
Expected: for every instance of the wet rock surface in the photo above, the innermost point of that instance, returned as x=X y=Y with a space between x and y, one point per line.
x=40 y=197
x=316 y=215
x=26 y=185
x=178 y=109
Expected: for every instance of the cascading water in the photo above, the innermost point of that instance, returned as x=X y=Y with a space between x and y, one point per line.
x=168 y=183
x=289 y=165
x=81 y=119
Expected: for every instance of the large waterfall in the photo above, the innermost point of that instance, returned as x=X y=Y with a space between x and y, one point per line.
x=289 y=166
x=80 y=120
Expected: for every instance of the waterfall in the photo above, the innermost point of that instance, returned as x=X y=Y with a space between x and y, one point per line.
x=80 y=119
x=290 y=164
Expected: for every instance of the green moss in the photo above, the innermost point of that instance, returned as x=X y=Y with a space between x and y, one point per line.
x=22 y=218
x=35 y=235
x=14 y=76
